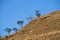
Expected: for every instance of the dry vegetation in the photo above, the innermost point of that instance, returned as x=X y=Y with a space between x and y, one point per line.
x=46 y=27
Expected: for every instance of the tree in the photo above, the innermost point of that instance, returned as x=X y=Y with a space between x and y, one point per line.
x=29 y=18
x=20 y=23
x=8 y=30
x=37 y=13
x=15 y=29
x=0 y=36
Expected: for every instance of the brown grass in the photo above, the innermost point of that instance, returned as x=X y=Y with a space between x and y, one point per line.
x=46 y=27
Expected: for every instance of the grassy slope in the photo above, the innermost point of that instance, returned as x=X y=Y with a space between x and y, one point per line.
x=46 y=27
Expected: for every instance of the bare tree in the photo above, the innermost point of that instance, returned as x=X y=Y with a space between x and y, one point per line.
x=15 y=29
x=37 y=13
x=29 y=18
x=20 y=23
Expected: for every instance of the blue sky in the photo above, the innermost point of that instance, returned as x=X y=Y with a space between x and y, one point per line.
x=14 y=10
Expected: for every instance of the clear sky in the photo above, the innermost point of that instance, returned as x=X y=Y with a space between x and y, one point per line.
x=14 y=10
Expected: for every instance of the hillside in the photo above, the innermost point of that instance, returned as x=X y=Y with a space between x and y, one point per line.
x=46 y=27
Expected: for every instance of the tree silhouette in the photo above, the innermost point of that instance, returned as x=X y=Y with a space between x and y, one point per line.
x=37 y=13
x=20 y=23
x=29 y=18
x=8 y=30
x=0 y=36
x=15 y=29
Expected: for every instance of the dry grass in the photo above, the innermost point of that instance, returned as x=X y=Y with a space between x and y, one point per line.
x=46 y=27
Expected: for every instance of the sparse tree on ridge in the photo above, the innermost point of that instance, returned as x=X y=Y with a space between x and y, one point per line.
x=8 y=30
x=15 y=29
x=0 y=36
x=37 y=13
x=29 y=18
x=20 y=23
